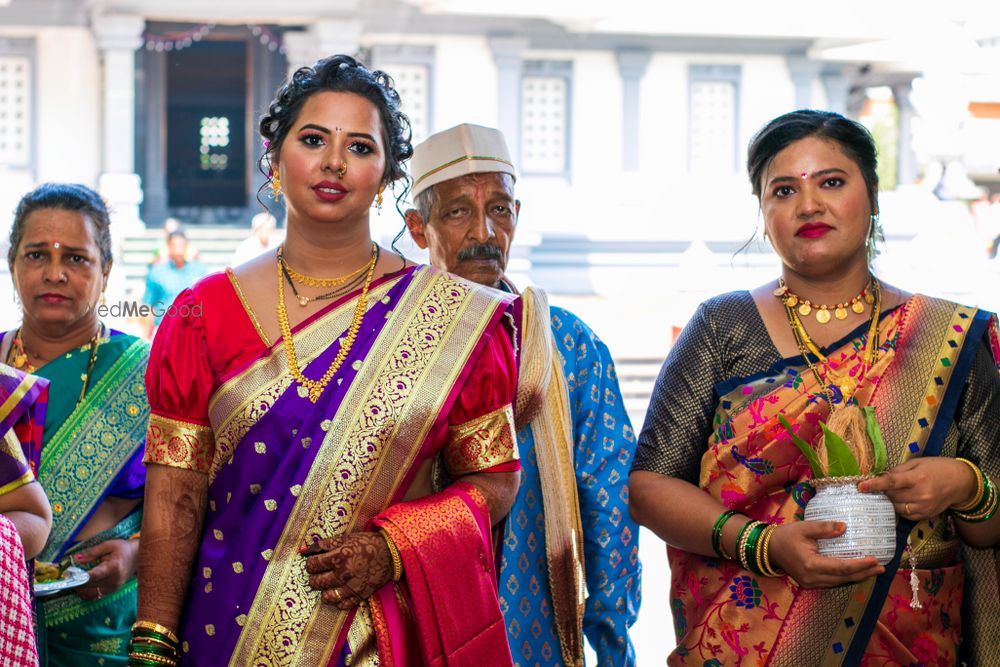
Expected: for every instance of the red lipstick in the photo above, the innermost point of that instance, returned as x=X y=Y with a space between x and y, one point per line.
x=330 y=191
x=813 y=230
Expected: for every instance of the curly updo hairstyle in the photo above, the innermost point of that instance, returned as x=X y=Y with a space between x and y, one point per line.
x=852 y=137
x=340 y=74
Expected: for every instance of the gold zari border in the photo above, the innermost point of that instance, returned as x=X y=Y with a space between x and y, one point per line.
x=179 y=444
x=241 y=401
x=481 y=443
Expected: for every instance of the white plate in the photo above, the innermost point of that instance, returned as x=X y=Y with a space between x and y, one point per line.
x=72 y=577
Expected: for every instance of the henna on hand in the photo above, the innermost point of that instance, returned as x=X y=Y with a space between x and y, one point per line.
x=348 y=569
x=173 y=513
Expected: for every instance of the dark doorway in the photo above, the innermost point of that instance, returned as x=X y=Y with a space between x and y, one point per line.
x=206 y=125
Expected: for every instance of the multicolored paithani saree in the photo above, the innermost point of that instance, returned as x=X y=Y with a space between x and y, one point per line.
x=23 y=400
x=428 y=372
x=92 y=449
x=725 y=615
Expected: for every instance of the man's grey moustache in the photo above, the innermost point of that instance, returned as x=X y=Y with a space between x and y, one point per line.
x=480 y=252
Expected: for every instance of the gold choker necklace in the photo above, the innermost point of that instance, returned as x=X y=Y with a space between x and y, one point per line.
x=805 y=306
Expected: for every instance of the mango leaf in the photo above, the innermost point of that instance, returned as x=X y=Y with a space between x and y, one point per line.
x=875 y=435
x=841 y=461
x=807 y=451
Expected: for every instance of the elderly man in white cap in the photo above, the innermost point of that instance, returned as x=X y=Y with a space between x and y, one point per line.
x=570 y=564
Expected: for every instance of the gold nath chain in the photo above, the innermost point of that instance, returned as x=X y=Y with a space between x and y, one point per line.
x=315 y=387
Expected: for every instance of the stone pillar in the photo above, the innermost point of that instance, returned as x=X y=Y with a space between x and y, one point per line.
x=631 y=65
x=507 y=56
x=327 y=37
x=803 y=73
x=906 y=165
x=154 y=174
x=837 y=86
x=118 y=36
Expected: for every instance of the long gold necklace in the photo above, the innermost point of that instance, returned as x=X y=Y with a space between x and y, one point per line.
x=317 y=282
x=805 y=306
x=845 y=382
x=309 y=387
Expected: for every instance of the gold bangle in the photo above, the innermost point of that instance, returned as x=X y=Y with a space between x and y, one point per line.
x=759 y=550
x=397 y=561
x=742 y=543
x=768 y=569
x=154 y=658
x=980 y=488
x=991 y=505
x=156 y=627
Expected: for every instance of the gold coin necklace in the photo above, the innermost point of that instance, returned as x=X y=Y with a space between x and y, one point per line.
x=805 y=306
x=314 y=388
x=845 y=383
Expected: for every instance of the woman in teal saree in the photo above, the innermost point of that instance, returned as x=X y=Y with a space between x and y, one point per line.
x=91 y=459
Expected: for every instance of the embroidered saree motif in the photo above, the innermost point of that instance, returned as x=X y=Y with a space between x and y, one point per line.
x=92 y=445
x=720 y=609
x=552 y=428
x=242 y=400
x=481 y=443
x=179 y=444
x=397 y=396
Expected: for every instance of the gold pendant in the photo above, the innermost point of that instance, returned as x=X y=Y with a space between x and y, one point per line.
x=840 y=313
x=847 y=387
x=791 y=300
x=303 y=301
x=20 y=360
x=823 y=316
x=805 y=309
x=858 y=307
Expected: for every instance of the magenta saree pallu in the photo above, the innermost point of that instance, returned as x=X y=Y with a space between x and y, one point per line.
x=286 y=471
x=445 y=570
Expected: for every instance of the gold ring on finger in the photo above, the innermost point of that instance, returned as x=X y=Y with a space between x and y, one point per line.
x=336 y=593
x=906 y=509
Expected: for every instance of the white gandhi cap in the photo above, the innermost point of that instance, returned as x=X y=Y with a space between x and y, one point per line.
x=463 y=149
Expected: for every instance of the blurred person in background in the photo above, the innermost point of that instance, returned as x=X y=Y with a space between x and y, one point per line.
x=92 y=444
x=263 y=237
x=719 y=479
x=290 y=514
x=169 y=277
x=571 y=515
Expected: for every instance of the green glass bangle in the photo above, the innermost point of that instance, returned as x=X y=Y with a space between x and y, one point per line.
x=153 y=637
x=717 y=531
x=988 y=509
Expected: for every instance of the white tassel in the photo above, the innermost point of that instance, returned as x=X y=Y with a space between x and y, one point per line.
x=914 y=580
